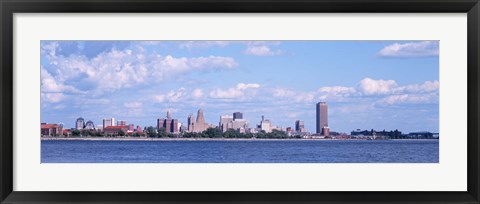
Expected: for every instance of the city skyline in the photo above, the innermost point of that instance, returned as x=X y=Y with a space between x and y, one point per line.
x=138 y=81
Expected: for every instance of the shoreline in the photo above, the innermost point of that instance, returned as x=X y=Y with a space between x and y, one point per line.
x=197 y=139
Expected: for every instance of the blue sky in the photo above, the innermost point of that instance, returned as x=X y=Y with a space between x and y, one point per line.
x=367 y=84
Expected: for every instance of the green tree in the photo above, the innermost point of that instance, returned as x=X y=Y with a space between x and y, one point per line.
x=162 y=132
x=121 y=133
x=76 y=132
x=231 y=133
x=151 y=131
x=213 y=133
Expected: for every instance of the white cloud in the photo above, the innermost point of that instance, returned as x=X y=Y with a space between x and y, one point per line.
x=370 y=86
x=132 y=105
x=262 y=50
x=172 y=96
x=336 y=89
x=306 y=97
x=428 y=86
x=159 y=98
x=355 y=108
x=52 y=97
x=197 y=93
x=49 y=48
x=376 y=89
x=50 y=85
x=59 y=107
x=281 y=92
x=335 y=93
x=237 y=92
x=410 y=98
x=242 y=86
x=119 y=69
x=203 y=44
x=414 y=49
x=182 y=94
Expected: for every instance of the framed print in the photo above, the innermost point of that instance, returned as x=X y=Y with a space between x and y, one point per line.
x=265 y=101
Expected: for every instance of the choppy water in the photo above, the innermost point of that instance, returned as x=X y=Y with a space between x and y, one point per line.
x=227 y=151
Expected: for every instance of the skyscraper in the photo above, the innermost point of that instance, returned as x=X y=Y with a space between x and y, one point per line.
x=80 y=123
x=121 y=123
x=299 y=126
x=108 y=122
x=191 y=123
x=226 y=122
x=237 y=115
x=200 y=124
x=170 y=124
x=322 y=116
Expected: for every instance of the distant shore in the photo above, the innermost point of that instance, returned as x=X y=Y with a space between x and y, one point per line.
x=190 y=139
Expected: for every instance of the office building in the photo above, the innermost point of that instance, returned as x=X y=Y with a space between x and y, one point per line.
x=322 y=116
x=121 y=123
x=169 y=124
x=131 y=128
x=237 y=115
x=115 y=130
x=226 y=122
x=199 y=125
x=108 y=122
x=299 y=126
x=265 y=125
x=235 y=122
x=79 y=123
x=51 y=129
x=89 y=125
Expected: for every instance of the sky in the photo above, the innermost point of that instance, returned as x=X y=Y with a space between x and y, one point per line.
x=366 y=84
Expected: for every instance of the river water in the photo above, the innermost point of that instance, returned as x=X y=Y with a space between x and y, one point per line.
x=241 y=151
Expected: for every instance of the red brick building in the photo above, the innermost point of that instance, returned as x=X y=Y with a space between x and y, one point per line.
x=51 y=130
x=115 y=130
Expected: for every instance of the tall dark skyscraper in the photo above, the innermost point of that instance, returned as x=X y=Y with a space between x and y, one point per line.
x=322 y=116
x=237 y=115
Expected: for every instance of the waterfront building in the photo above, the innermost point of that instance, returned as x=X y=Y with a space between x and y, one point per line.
x=289 y=131
x=361 y=133
x=51 y=129
x=131 y=128
x=121 y=123
x=300 y=126
x=237 y=115
x=226 y=122
x=139 y=128
x=421 y=135
x=322 y=116
x=170 y=124
x=325 y=131
x=89 y=125
x=239 y=124
x=235 y=122
x=251 y=130
x=108 y=122
x=80 y=123
x=265 y=125
x=199 y=125
x=190 y=123
x=99 y=128
x=115 y=130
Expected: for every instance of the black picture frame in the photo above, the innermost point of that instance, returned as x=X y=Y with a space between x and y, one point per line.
x=9 y=7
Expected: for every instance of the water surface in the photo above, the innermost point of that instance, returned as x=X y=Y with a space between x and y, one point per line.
x=229 y=151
